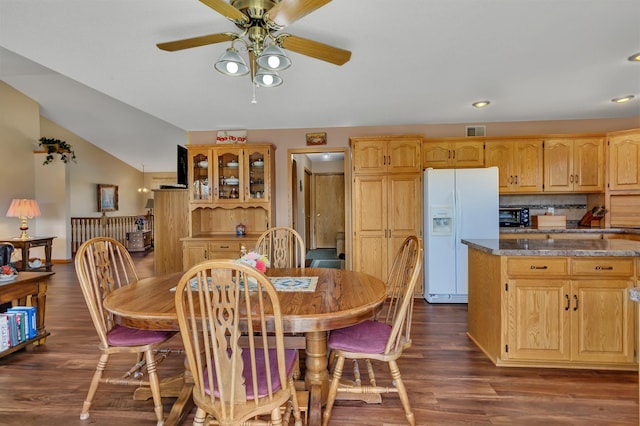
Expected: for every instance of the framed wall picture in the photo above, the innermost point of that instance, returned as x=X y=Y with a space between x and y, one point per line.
x=107 y=198
x=316 y=138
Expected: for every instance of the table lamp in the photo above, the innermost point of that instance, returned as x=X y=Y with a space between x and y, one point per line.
x=24 y=209
x=149 y=205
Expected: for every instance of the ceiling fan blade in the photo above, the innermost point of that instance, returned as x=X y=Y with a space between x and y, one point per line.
x=287 y=12
x=314 y=49
x=187 y=43
x=226 y=10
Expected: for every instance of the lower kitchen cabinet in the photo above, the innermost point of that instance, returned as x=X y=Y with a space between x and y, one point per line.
x=571 y=312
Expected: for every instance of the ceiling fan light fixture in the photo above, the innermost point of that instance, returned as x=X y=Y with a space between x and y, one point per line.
x=231 y=63
x=273 y=58
x=481 y=104
x=622 y=99
x=267 y=78
x=635 y=57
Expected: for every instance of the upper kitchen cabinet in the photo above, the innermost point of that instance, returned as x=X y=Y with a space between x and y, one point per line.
x=574 y=165
x=388 y=154
x=452 y=153
x=519 y=162
x=624 y=160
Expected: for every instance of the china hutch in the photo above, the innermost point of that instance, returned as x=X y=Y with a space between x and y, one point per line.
x=231 y=199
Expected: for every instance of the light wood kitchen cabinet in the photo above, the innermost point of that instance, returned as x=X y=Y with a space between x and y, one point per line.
x=581 y=314
x=386 y=210
x=386 y=203
x=390 y=154
x=555 y=311
x=520 y=164
x=624 y=160
x=452 y=153
x=574 y=165
x=171 y=223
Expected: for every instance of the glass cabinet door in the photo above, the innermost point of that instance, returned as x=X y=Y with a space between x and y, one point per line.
x=200 y=176
x=256 y=175
x=228 y=172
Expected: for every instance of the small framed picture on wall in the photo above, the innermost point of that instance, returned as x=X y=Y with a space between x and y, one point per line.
x=107 y=198
x=316 y=138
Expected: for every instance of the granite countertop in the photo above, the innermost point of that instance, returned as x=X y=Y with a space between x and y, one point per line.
x=551 y=247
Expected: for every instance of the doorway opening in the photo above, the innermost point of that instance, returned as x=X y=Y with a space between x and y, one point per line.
x=318 y=200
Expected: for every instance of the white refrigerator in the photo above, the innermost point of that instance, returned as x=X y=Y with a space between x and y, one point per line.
x=458 y=204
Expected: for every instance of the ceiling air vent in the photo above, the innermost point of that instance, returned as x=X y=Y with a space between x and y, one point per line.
x=476 y=130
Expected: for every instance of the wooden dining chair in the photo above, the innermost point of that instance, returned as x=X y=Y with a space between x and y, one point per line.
x=383 y=339
x=231 y=326
x=283 y=246
x=103 y=265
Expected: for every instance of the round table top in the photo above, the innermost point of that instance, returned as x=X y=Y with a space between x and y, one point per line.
x=341 y=298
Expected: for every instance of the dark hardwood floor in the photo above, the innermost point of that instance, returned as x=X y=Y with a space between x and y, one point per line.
x=449 y=380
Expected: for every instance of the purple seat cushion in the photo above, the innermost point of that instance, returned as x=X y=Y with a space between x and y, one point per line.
x=126 y=336
x=368 y=337
x=291 y=358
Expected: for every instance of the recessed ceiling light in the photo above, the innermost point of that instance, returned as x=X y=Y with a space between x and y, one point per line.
x=622 y=99
x=481 y=104
x=635 y=57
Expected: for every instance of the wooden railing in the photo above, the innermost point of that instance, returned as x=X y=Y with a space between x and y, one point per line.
x=116 y=227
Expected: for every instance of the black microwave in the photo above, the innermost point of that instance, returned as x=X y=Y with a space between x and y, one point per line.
x=514 y=216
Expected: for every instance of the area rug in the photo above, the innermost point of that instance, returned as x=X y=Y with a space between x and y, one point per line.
x=327 y=263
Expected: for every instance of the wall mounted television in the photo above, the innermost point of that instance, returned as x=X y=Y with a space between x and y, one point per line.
x=182 y=173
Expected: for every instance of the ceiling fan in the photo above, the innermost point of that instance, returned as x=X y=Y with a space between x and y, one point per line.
x=259 y=20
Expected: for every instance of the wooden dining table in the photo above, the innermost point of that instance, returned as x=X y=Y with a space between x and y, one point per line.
x=341 y=298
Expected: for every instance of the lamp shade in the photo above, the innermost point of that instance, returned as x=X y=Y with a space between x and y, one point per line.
x=273 y=58
x=231 y=63
x=23 y=208
x=267 y=78
x=149 y=203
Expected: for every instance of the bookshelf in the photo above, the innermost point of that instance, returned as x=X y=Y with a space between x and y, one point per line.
x=28 y=289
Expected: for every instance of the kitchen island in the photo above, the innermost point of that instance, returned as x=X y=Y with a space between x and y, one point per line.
x=554 y=302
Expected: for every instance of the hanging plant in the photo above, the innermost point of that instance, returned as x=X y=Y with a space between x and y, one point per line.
x=56 y=146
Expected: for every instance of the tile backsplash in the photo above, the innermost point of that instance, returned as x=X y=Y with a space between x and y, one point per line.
x=573 y=206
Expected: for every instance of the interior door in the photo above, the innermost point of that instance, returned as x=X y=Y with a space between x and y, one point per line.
x=329 y=209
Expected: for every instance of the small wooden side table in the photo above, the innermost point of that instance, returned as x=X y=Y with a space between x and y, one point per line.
x=28 y=289
x=28 y=244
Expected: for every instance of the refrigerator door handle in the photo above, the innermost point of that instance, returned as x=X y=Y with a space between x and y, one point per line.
x=455 y=218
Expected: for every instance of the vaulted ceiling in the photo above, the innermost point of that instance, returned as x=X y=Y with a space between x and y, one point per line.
x=94 y=67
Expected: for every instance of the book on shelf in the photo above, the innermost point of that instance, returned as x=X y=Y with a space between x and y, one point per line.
x=12 y=326
x=30 y=323
x=4 y=333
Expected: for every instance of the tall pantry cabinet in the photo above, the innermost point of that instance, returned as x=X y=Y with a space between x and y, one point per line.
x=386 y=199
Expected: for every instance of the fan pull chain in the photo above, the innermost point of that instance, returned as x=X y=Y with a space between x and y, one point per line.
x=253 y=100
